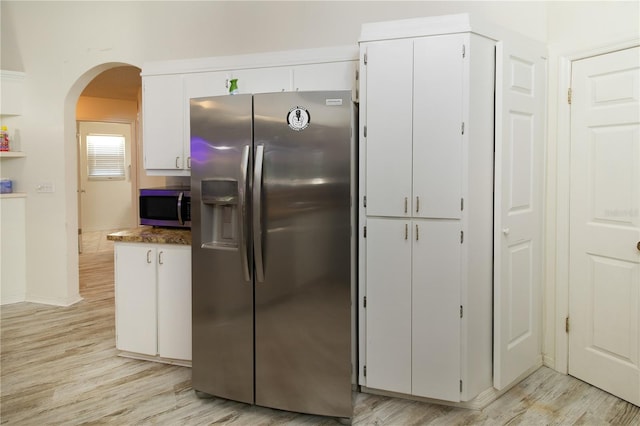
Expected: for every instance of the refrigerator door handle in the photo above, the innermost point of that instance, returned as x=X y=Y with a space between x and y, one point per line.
x=242 y=195
x=257 y=213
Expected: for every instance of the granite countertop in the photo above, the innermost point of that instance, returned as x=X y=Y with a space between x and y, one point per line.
x=149 y=234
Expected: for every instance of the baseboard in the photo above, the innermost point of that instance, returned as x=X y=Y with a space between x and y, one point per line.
x=549 y=361
x=12 y=298
x=143 y=357
x=481 y=401
x=55 y=302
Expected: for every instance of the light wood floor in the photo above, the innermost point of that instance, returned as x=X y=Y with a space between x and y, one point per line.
x=59 y=366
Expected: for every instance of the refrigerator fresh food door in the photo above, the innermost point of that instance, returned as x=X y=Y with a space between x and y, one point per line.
x=221 y=137
x=302 y=245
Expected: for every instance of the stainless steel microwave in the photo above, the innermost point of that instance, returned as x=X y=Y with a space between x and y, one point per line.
x=169 y=206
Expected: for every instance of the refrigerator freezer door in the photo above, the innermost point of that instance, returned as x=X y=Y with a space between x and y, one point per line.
x=221 y=140
x=303 y=306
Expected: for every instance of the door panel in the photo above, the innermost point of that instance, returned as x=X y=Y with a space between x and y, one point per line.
x=221 y=293
x=388 y=141
x=520 y=97
x=437 y=127
x=436 y=309
x=604 y=265
x=303 y=306
x=388 y=275
x=136 y=313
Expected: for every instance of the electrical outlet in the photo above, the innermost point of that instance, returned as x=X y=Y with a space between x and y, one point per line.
x=45 y=187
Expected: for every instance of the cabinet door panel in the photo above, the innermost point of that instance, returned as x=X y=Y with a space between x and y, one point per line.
x=163 y=121
x=389 y=92
x=174 y=302
x=436 y=309
x=135 y=285
x=388 y=311
x=330 y=76
x=263 y=80
x=437 y=126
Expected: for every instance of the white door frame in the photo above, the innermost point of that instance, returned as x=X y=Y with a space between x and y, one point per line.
x=558 y=255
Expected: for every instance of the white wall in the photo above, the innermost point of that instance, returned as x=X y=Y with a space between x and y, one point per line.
x=63 y=45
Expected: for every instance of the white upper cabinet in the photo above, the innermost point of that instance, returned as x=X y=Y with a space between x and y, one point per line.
x=163 y=124
x=11 y=94
x=327 y=76
x=168 y=86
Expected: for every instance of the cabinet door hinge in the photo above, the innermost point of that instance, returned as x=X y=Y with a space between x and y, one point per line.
x=566 y=325
x=366 y=58
x=460 y=386
x=364 y=130
x=364 y=371
x=461 y=204
x=365 y=302
x=461 y=237
x=365 y=201
x=365 y=231
x=569 y=96
x=462 y=127
x=461 y=311
x=464 y=51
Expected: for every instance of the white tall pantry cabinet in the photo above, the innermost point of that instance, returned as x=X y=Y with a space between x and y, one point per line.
x=449 y=301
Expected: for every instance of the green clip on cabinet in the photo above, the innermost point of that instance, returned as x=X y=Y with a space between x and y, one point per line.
x=451 y=121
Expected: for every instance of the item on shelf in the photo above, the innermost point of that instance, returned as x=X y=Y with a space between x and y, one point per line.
x=6 y=186
x=4 y=139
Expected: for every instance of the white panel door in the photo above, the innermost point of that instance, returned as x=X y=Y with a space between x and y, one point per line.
x=389 y=123
x=519 y=175
x=174 y=302
x=437 y=126
x=388 y=310
x=135 y=288
x=436 y=309
x=604 y=266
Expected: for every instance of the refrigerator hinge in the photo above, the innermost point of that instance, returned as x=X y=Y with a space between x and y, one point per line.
x=365 y=231
x=365 y=302
x=461 y=237
x=365 y=201
x=364 y=371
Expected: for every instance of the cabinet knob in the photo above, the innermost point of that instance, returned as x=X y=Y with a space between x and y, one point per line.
x=177 y=166
x=406 y=201
x=417 y=204
x=505 y=231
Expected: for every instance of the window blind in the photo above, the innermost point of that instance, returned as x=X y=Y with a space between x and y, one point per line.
x=105 y=156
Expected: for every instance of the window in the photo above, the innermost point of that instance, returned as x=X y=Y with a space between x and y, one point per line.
x=105 y=157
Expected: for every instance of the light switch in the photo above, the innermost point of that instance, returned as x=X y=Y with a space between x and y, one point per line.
x=45 y=187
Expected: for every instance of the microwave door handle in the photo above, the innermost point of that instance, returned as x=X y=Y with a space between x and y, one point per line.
x=242 y=211
x=257 y=213
x=180 y=221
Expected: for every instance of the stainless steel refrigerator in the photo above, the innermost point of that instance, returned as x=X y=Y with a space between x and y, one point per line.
x=273 y=251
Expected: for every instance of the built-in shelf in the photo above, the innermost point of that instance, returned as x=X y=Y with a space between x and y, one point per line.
x=14 y=195
x=12 y=154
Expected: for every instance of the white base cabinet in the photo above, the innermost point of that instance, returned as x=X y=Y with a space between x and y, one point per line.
x=437 y=131
x=153 y=299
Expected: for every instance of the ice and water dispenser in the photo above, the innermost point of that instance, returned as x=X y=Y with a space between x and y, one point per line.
x=219 y=207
